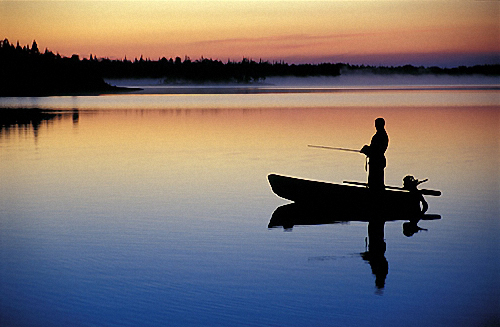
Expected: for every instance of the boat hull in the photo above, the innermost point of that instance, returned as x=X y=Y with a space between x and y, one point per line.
x=346 y=199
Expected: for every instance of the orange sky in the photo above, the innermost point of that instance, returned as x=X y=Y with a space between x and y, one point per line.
x=374 y=32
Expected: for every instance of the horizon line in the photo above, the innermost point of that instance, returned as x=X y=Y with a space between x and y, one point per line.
x=416 y=59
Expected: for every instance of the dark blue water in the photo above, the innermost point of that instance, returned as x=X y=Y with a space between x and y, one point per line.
x=160 y=217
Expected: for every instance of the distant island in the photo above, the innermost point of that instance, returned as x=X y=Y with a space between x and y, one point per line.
x=26 y=71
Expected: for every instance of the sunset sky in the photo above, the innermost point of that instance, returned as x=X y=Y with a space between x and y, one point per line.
x=444 y=33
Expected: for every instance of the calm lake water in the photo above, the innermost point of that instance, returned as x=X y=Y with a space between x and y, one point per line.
x=153 y=209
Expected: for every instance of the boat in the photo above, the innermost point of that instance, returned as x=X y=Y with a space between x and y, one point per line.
x=349 y=198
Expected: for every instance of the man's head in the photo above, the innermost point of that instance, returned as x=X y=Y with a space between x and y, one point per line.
x=379 y=123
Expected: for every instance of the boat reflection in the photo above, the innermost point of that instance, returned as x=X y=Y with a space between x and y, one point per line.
x=293 y=214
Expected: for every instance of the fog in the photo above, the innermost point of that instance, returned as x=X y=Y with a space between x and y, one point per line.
x=346 y=80
x=372 y=80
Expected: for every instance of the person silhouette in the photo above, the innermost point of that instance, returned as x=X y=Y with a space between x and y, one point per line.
x=376 y=154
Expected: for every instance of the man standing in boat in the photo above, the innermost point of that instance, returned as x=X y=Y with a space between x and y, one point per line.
x=376 y=154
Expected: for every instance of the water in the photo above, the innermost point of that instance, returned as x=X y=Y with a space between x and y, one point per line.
x=152 y=210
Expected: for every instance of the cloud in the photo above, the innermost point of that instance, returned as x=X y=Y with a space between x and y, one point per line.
x=302 y=38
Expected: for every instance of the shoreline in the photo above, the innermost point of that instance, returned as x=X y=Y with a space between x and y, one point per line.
x=259 y=89
x=94 y=92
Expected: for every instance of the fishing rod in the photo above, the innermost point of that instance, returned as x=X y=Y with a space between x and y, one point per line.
x=333 y=148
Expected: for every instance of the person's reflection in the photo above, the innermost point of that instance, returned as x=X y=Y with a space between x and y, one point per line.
x=376 y=251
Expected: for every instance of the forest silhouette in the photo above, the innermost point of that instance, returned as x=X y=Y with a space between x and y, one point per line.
x=26 y=71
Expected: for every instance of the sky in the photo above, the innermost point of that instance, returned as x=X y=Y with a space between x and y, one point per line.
x=444 y=33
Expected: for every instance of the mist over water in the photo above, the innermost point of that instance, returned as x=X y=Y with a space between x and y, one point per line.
x=375 y=81
x=347 y=80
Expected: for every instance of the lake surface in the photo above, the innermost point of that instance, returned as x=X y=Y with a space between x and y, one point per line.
x=153 y=209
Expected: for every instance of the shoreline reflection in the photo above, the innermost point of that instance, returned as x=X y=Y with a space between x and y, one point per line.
x=32 y=119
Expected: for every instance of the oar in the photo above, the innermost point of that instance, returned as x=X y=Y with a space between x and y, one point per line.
x=332 y=148
x=423 y=191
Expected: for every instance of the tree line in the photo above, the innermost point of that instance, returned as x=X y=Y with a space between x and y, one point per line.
x=207 y=70
x=486 y=70
x=28 y=71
